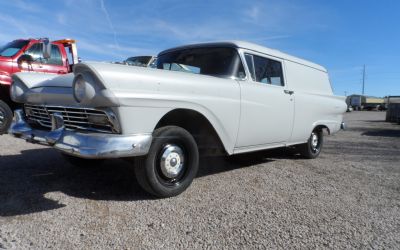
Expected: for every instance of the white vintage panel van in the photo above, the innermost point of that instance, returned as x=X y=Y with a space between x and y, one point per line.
x=231 y=97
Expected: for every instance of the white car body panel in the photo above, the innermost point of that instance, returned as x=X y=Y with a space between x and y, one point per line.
x=259 y=105
x=160 y=91
x=315 y=103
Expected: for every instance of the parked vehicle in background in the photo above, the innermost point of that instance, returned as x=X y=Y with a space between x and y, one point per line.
x=360 y=102
x=349 y=109
x=233 y=97
x=385 y=104
x=393 y=111
x=26 y=55
x=151 y=61
x=142 y=61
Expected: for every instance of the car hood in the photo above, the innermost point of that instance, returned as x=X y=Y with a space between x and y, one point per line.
x=38 y=80
x=115 y=85
x=3 y=58
x=40 y=88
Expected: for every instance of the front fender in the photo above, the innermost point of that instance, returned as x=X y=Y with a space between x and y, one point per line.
x=145 y=95
x=5 y=78
x=142 y=119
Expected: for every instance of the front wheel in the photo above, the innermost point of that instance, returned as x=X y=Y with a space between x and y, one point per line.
x=171 y=164
x=312 y=148
x=6 y=116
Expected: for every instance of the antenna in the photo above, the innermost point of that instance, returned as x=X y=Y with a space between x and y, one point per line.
x=363 y=81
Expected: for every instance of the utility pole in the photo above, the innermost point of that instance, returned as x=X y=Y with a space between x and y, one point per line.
x=363 y=81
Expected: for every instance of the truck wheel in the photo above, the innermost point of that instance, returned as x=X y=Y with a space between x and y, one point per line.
x=6 y=116
x=81 y=162
x=312 y=148
x=171 y=164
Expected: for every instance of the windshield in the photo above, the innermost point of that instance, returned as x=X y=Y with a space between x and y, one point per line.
x=138 y=61
x=12 y=48
x=220 y=62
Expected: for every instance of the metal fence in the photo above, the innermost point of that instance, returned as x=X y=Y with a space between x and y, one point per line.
x=393 y=111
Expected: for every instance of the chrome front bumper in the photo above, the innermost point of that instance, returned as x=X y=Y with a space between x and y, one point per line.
x=84 y=145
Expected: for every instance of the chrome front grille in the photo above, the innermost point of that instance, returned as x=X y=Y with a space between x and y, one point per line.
x=83 y=119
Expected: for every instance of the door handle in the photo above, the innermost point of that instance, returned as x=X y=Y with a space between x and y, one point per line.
x=289 y=92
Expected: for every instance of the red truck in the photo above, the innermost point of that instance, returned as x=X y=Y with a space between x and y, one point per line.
x=38 y=55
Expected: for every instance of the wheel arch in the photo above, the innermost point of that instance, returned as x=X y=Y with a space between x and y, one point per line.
x=321 y=127
x=200 y=126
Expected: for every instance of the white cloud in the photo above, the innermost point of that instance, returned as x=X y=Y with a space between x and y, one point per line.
x=350 y=70
x=19 y=25
x=30 y=6
x=146 y=27
x=61 y=19
x=270 y=38
x=5 y=38
x=111 y=50
x=104 y=9
x=253 y=13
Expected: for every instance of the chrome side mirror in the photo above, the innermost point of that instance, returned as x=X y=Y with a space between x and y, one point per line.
x=46 y=48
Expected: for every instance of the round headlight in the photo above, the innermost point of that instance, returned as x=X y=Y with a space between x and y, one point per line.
x=16 y=91
x=79 y=88
x=84 y=88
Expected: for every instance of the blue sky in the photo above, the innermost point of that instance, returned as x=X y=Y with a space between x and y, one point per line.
x=340 y=35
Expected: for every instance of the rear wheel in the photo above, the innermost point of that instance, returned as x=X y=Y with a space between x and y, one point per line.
x=6 y=116
x=313 y=147
x=171 y=164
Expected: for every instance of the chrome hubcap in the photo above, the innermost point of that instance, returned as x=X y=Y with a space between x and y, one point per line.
x=314 y=141
x=2 y=116
x=172 y=161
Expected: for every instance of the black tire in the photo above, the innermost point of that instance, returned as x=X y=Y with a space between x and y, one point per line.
x=81 y=162
x=6 y=116
x=152 y=171
x=311 y=149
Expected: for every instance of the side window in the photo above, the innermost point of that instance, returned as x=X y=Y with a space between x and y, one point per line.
x=35 y=51
x=240 y=73
x=265 y=70
x=55 y=56
x=153 y=64
x=250 y=65
x=181 y=67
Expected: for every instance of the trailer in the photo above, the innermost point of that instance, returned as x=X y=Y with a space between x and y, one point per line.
x=393 y=111
x=361 y=102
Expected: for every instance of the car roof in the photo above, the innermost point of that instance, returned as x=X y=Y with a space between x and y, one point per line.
x=248 y=46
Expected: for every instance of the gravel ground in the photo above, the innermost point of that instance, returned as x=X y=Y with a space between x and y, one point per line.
x=347 y=198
